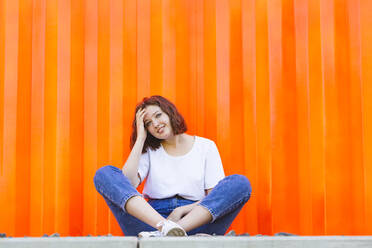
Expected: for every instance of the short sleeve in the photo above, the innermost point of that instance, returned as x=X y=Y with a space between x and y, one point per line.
x=213 y=167
x=143 y=166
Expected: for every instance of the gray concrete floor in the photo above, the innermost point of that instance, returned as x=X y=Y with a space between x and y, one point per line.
x=181 y=242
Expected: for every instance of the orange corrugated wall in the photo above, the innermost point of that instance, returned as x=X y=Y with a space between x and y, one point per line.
x=284 y=87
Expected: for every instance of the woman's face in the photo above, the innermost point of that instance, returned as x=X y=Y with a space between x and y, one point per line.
x=157 y=122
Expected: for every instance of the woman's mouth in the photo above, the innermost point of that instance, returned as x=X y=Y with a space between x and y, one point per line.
x=161 y=129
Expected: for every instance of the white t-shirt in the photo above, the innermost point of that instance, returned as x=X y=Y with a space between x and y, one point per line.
x=187 y=175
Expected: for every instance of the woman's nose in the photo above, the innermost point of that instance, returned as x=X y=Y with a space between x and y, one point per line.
x=156 y=123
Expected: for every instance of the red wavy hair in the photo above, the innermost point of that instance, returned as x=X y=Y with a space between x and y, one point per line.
x=177 y=122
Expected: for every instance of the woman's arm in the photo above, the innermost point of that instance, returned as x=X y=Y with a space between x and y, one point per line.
x=130 y=169
x=179 y=212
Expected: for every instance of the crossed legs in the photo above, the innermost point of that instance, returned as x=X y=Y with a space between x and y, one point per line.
x=117 y=190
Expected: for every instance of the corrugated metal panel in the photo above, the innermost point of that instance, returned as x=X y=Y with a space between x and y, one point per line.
x=282 y=86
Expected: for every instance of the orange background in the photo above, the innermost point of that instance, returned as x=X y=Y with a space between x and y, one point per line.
x=282 y=86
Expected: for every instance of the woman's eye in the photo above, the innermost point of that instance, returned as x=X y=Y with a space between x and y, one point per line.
x=147 y=124
x=158 y=115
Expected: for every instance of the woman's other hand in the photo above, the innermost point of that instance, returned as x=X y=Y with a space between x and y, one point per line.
x=141 y=130
x=177 y=214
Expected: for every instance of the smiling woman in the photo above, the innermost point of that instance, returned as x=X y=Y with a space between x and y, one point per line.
x=186 y=187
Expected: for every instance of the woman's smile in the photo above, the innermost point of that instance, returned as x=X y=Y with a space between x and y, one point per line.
x=161 y=129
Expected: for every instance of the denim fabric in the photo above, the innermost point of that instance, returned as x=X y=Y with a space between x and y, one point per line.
x=224 y=202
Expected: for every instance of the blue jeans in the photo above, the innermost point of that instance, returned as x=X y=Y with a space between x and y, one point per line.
x=224 y=202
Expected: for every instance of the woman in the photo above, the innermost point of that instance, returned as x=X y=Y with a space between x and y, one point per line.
x=186 y=188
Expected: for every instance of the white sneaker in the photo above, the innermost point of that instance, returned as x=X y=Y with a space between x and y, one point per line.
x=149 y=234
x=169 y=228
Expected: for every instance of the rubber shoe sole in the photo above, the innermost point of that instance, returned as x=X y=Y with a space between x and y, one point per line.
x=177 y=232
